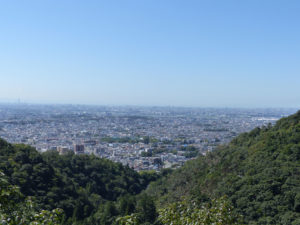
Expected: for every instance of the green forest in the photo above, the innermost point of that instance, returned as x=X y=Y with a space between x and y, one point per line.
x=259 y=172
x=88 y=189
x=255 y=179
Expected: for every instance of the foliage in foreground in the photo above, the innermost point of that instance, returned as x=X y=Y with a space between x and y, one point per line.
x=86 y=187
x=259 y=171
x=217 y=212
x=15 y=210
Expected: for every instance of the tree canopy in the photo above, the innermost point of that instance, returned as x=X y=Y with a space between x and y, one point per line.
x=259 y=171
x=255 y=179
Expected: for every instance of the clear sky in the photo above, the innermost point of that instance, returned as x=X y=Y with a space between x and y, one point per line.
x=151 y=52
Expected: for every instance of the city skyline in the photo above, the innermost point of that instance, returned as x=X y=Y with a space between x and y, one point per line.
x=171 y=53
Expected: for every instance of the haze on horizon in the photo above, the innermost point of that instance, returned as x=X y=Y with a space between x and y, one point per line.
x=162 y=53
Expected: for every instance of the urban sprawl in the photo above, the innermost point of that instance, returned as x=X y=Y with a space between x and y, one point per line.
x=144 y=138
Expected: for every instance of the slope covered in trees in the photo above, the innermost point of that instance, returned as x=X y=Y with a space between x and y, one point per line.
x=259 y=171
x=255 y=179
x=85 y=187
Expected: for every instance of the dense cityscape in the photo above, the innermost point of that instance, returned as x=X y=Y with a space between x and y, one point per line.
x=145 y=138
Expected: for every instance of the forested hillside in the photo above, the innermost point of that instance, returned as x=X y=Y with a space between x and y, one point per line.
x=85 y=187
x=255 y=179
x=259 y=171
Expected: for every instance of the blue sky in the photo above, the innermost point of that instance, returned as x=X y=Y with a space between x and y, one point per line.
x=151 y=52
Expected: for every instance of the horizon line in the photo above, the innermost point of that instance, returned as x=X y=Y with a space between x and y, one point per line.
x=143 y=106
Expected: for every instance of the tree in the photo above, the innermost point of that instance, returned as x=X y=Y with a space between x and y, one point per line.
x=146 y=140
x=218 y=211
x=14 y=212
x=146 y=209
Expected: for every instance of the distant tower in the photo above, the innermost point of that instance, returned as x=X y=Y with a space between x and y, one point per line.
x=78 y=149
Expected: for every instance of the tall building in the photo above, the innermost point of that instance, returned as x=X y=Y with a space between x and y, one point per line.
x=78 y=149
x=63 y=150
